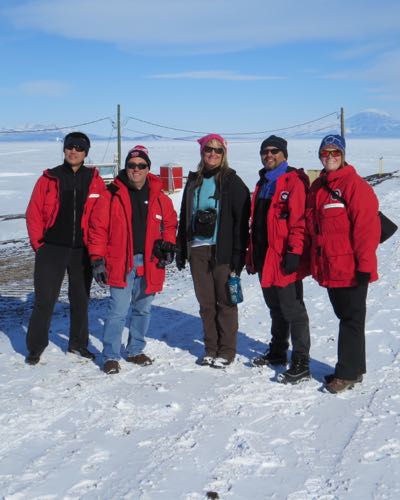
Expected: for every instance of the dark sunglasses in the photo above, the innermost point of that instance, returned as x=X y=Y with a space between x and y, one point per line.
x=273 y=151
x=139 y=166
x=77 y=148
x=210 y=149
x=335 y=153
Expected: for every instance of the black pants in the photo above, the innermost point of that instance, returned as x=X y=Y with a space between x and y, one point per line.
x=288 y=318
x=51 y=262
x=350 y=306
x=219 y=316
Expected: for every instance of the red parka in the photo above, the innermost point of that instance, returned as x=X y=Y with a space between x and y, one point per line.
x=344 y=236
x=44 y=204
x=111 y=234
x=285 y=228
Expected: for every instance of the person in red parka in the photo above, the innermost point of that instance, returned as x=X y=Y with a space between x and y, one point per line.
x=57 y=221
x=343 y=222
x=132 y=234
x=276 y=253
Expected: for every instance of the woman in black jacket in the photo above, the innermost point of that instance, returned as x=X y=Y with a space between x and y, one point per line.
x=212 y=236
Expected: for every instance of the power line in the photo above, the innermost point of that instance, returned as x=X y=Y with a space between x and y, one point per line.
x=15 y=131
x=231 y=133
x=159 y=136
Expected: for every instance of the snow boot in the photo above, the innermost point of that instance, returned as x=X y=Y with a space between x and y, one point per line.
x=220 y=363
x=299 y=370
x=328 y=378
x=272 y=356
x=206 y=361
x=33 y=358
x=82 y=351
x=140 y=359
x=337 y=385
x=111 y=366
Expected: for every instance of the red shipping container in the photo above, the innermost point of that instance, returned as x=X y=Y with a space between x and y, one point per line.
x=171 y=176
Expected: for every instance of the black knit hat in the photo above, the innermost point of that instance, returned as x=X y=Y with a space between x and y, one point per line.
x=276 y=142
x=77 y=139
x=138 y=152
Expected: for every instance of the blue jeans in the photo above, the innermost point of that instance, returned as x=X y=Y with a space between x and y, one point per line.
x=121 y=300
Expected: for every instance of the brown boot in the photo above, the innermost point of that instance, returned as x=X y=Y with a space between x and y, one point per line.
x=140 y=359
x=111 y=366
x=337 y=385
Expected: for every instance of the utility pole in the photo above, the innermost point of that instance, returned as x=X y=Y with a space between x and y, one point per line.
x=119 y=135
x=342 y=131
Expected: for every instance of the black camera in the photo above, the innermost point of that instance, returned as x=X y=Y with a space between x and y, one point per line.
x=204 y=222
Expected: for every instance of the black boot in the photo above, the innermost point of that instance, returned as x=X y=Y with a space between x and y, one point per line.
x=82 y=351
x=273 y=356
x=299 y=370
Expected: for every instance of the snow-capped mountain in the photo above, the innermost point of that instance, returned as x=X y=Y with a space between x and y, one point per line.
x=369 y=123
x=372 y=123
x=37 y=132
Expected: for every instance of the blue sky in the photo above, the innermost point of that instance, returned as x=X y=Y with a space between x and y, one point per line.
x=227 y=66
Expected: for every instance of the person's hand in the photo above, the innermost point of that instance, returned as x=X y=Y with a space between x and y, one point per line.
x=99 y=272
x=165 y=252
x=291 y=262
x=363 y=278
x=180 y=260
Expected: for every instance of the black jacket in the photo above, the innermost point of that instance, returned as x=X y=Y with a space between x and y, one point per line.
x=74 y=189
x=233 y=222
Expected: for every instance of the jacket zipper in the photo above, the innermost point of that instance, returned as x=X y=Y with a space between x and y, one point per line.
x=74 y=221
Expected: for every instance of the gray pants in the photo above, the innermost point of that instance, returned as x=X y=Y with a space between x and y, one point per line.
x=219 y=316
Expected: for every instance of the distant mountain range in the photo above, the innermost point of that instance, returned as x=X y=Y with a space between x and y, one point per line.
x=371 y=123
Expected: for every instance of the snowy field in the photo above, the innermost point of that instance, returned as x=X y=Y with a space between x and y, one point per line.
x=174 y=430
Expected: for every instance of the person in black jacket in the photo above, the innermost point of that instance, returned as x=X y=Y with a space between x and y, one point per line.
x=212 y=236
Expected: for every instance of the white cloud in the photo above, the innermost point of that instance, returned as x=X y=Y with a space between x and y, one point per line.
x=209 y=26
x=216 y=75
x=365 y=49
x=49 y=88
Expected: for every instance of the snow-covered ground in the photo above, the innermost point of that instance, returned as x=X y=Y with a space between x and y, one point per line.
x=175 y=430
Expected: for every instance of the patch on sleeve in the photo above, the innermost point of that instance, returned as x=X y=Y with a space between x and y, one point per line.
x=284 y=195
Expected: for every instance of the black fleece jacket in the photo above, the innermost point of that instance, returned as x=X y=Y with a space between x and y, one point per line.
x=233 y=223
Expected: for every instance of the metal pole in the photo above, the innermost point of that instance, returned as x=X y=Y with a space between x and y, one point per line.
x=119 y=135
x=342 y=131
x=380 y=166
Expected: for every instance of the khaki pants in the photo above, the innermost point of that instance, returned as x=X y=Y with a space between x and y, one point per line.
x=220 y=318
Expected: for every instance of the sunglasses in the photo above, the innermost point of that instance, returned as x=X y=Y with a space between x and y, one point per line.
x=335 y=153
x=139 y=166
x=77 y=148
x=273 y=151
x=210 y=149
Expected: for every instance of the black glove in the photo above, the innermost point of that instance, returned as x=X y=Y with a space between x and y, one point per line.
x=363 y=278
x=165 y=252
x=99 y=272
x=237 y=262
x=291 y=262
x=180 y=260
